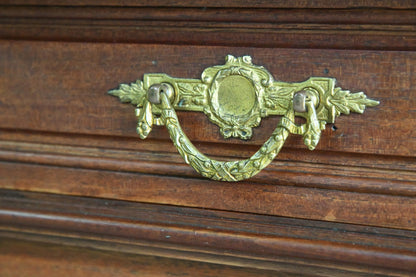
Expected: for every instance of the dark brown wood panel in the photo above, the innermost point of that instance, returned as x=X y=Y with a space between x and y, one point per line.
x=96 y=145
x=343 y=18
x=286 y=245
x=245 y=196
x=355 y=173
x=364 y=28
x=20 y=259
x=82 y=195
x=61 y=87
x=397 y=4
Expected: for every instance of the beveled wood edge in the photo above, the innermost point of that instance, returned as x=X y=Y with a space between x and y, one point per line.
x=230 y=238
x=361 y=179
x=277 y=37
x=392 y=18
x=279 y=266
x=339 y=28
x=55 y=251
x=16 y=139
x=229 y=3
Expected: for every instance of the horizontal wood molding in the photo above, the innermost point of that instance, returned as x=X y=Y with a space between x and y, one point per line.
x=364 y=28
x=21 y=256
x=396 y=4
x=324 y=171
x=261 y=198
x=384 y=18
x=99 y=222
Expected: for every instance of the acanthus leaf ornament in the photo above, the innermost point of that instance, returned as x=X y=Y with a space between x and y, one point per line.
x=235 y=96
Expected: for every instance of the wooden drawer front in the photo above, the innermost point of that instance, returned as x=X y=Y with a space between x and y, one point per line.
x=56 y=112
x=73 y=171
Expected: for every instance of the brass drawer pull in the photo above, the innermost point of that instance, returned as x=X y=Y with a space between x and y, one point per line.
x=235 y=96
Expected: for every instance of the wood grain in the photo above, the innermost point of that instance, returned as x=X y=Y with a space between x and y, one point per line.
x=20 y=259
x=382 y=29
x=245 y=196
x=61 y=87
x=396 y=4
x=324 y=170
x=200 y=234
x=81 y=195
x=384 y=18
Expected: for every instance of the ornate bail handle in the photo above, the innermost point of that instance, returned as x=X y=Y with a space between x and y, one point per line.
x=235 y=96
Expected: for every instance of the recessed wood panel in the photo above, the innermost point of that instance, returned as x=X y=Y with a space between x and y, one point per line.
x=61 y=87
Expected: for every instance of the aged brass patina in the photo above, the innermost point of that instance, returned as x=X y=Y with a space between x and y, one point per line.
x=235 y=96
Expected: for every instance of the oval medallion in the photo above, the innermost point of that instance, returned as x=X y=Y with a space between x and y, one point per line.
x=236 y=96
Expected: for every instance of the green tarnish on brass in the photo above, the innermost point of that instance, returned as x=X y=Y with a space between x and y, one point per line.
x=235 y=96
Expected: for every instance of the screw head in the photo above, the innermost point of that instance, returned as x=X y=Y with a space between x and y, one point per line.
x=154 y=91
x=300 y=98
x=299 y=102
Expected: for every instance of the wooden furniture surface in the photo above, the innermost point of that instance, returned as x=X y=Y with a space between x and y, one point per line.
x=82 y=195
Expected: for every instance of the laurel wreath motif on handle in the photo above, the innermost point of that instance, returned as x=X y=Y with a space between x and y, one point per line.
x=235 y=96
